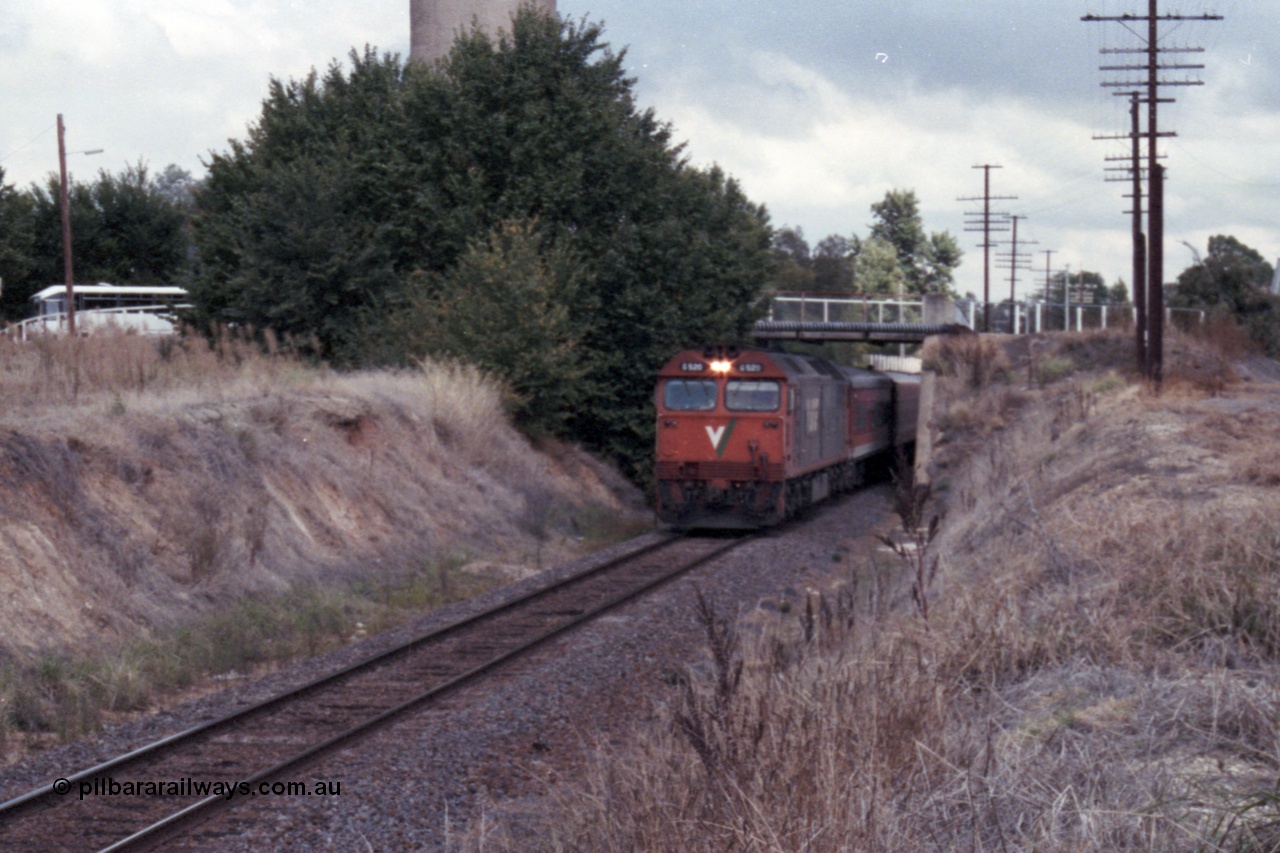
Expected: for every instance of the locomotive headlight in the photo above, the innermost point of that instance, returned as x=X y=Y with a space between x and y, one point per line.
x=721 y=366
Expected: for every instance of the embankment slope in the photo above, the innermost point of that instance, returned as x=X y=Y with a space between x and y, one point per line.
x=125 y=513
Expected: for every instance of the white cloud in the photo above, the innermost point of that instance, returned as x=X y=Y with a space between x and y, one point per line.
x=840 y=150
x=793 y=103
x=164 y=82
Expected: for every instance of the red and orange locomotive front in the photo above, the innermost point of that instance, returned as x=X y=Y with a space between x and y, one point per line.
x=746 y=437
x=722 y=438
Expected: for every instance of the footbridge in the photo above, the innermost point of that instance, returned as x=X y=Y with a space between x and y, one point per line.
x=845 y=318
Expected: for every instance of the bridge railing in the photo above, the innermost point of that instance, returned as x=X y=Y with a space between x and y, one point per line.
x=1030 y=317
x=933 y=309
x=805 y=308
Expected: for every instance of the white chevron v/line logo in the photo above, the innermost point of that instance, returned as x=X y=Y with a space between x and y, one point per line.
x=715 y=434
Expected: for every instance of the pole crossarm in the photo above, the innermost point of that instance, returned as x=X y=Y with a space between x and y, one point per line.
x=1131 y=17
x=1144 y=68
x=1144 y=135
x=1148 y=246
x=1117 y=50
x=1112 y=84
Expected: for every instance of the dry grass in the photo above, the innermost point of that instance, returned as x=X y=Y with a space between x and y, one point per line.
x=147 y=486
x=1098 y=669
x=64 y=693
x=976 y=360
x=59 y=371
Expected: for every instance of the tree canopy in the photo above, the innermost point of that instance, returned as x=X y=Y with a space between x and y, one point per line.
x=1233 y=279
x=1231 y=275
x=927 y=260
x=124 y=230
x=372 y=206
x=16 y=258
x=897 y=257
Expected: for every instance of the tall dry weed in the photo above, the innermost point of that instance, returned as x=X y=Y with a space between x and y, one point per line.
x=913 y=546
x=1208 y=583
x=812 y=756
x=51 y=370
x=977 y=360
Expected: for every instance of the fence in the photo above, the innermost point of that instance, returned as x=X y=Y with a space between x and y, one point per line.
x=1031 y=317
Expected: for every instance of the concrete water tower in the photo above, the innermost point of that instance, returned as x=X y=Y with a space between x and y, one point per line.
x=435 y=23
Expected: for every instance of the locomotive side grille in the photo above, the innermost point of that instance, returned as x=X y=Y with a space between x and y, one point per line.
x=719 y=471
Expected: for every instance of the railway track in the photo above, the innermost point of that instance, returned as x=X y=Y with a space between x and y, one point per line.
x=262 y=744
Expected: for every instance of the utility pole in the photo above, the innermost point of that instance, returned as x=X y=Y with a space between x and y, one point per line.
x=985 y=224
x=66 y=229
x=1151 y=352
x=1048 y=273
x=1066 y=299
x=1136 y=175
x=1016 y=262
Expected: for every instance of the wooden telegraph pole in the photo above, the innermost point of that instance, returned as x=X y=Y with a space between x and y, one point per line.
x=1148 y=255
x=66 y=229
x=986 y=222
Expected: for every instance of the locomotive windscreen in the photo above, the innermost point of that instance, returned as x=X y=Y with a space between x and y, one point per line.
x=754 y=395
x=692 y=395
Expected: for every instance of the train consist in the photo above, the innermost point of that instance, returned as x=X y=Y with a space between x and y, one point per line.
x=748 y=437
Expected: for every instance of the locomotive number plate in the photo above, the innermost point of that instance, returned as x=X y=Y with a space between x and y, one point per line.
x=751 y=367
x=693 y=366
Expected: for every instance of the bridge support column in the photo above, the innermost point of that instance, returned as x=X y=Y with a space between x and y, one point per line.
x=940 y=311
x=924 y=427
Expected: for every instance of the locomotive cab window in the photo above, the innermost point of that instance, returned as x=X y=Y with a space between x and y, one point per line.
x=689 y=395
x=753 y=395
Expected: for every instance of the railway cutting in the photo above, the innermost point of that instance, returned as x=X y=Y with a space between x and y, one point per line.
x=259 y=745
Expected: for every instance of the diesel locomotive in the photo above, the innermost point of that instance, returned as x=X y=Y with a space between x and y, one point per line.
x=748 y=437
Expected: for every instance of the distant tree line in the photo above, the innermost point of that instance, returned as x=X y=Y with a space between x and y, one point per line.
x=130 y=228
x=1081 y=288
x=510 y=206
x=897 y=257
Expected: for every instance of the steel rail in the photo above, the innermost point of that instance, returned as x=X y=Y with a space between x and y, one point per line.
x=175 y=824
x=44 y=793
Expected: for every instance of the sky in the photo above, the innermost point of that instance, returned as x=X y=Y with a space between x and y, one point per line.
x=816 y=107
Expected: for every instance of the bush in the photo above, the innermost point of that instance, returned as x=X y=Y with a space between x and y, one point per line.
x=977 y=360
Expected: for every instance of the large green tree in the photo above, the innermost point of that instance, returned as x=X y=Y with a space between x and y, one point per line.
x=1234 y=279
x=792 y=261
x=833 y=264
x=1230 y=275
x=877 y=268
x=124 y=230
x=362 y=198
x=16 y=250
x=927 y=260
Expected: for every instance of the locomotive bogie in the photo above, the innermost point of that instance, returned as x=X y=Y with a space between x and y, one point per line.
x=747 y=438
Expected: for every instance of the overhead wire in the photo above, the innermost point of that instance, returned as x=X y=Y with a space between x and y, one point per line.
x=29 y=142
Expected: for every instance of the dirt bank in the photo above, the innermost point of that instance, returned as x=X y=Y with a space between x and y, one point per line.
x=124 y=512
